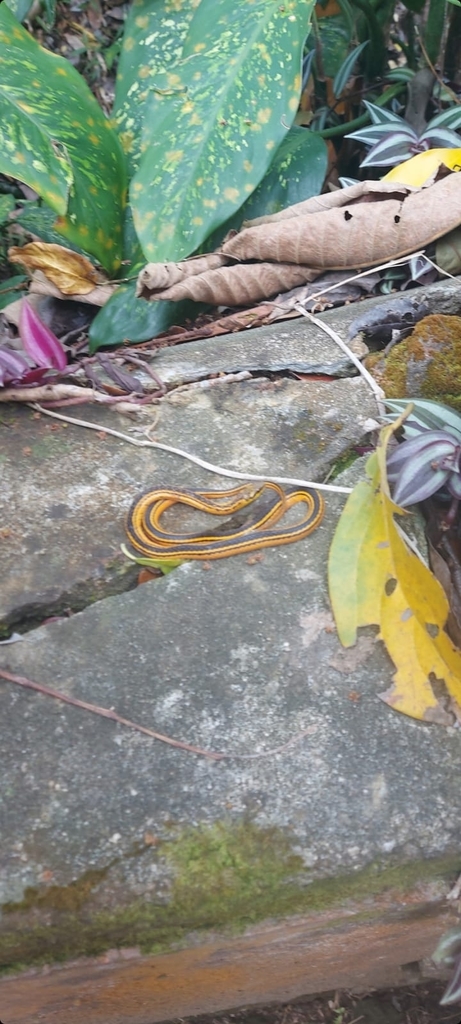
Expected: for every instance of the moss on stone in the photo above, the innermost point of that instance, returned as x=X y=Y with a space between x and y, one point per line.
x=427 y=364
x=223 y=877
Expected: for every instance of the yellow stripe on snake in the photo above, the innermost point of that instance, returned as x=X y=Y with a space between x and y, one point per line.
x=259 y=530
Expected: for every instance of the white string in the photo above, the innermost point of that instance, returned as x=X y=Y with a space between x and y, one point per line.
x=142 y=443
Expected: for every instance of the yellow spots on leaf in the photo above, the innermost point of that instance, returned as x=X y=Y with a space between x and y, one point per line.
x=17 y=34
x=83 y=230
x=249 y=187
x=199 y=182
x=262 y=81
x=293 y=103
x=174 y=156
x=54 y=200
x=141 y=21
x=210 y=204
x=148 y=216
x=18 y=158
x=26 y=106
x=195 y=119
x=197 y=76
x=93 y=190
x=198 y=47
x=126 y=139
x=136 y=187
x=90 y=122
x=197 y=221
x=197 y=139
x=247 y=166
x=166 y=232
x=62 y=71
x=297 y=83
x=231 y=194
x=263 y=52
x=270 y=144
x=173 y=80
x=129 y=43
x=109 y=244
x=36 y=84
x=94 y=139
x=187 y=107
x=100 y=236
x=264 y=115
x=144 y=71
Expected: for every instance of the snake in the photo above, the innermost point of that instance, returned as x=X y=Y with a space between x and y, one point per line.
x=261 y=528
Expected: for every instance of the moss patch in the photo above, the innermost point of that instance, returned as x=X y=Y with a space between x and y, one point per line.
x=427 y=364
x=223 y=877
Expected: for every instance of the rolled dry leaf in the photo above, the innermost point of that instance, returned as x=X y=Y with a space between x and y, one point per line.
x=361 y=226
x=362 y=191
x=161 y=276
x=357 y=234
x=239 y=285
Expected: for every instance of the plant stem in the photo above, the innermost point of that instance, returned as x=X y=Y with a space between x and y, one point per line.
x=358 y=122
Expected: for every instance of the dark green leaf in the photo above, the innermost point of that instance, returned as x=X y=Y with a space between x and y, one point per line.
x=126 y=319
x=343 y=75
x=7 y=204
x=10 y=290
x=214 y=121
x=55 y=138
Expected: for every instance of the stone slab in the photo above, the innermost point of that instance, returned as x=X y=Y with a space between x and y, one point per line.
x=296 y=345
x=330 y=809
x=65 y=490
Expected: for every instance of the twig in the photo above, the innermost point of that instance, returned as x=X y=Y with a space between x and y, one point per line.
x=144 y=443
x=364 y=273
x=95 y=709
x=375 y=388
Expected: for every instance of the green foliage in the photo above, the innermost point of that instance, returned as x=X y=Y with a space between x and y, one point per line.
x=55 y=138
x=213 y=123
x=126 y=318
x=206 y=93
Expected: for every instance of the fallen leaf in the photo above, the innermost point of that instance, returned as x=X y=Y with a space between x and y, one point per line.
x=389 y=586
x=72 y=273
x=364 y=225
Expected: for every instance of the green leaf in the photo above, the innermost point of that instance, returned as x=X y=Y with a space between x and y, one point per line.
x=40 y=220
x=10 y=290
x=214 y=121
x=154 y=563
x=343 y=75
x=55 y=138
x=153 y=40
x=297 y=172
x=126 y=319
x=7 y=204
x=335 y=40
x=20 y=8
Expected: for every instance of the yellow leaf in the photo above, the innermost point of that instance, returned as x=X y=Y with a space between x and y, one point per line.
x=72 y=273
x=376 y=579
x=420 y=168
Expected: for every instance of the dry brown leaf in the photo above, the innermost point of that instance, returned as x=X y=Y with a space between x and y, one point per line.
x=361 y=226
x=98 y=296
x=72 y=273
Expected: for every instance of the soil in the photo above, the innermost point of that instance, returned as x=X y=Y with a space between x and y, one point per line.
x=411 y=1005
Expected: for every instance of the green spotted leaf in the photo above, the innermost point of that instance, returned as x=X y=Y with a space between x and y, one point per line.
x=214 y=120
x=153 y=39
x=7 y=205
x=297 y=172
x=55 y=138
x=126 y=319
